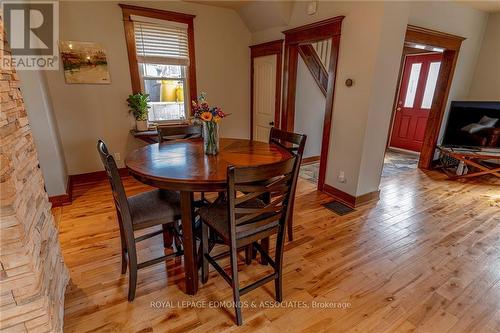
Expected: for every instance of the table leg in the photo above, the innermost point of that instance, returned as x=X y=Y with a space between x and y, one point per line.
x=189 y=242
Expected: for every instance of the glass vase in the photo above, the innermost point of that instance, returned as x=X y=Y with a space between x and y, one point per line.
x=211 y=137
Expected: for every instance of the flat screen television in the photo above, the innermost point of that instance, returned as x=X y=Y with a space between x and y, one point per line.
x=473 y=125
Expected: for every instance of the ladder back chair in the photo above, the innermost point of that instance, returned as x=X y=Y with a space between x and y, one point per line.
x=138 y=212
x=190 y=131
x=244 y=219
x=294 y=143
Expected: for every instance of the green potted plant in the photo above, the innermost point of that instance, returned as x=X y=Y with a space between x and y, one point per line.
x=138 y=104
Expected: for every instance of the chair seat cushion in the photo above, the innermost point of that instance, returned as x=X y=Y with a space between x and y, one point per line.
x=154 y=207
x=216 y=216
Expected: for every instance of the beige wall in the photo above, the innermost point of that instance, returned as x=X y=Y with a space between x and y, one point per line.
x=486 y=82
x=370 y=49
x=86 y=112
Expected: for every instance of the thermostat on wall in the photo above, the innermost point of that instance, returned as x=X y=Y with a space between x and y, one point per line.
x=312 y=7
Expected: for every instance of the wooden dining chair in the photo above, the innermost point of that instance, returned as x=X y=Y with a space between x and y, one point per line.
x=188 y=131
x=244 y=219
x=294 y=143
x=138 y=212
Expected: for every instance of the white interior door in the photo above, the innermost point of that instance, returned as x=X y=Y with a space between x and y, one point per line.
x=264 y=94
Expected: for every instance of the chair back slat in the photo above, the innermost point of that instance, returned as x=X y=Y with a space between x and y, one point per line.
x=115 y=181
x=295 y=143
x=250 y=204
x=253 y=175
x=190 y=131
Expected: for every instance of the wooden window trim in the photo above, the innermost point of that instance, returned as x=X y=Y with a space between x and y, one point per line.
x=260 y=50
x=166 y=15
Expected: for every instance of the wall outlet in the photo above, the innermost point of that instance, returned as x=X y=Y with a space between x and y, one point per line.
x=118 y=157
x=341 y=177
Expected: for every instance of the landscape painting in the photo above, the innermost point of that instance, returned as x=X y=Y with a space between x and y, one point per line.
x=84 y=62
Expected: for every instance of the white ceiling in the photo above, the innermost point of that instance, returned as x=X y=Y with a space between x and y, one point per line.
x=260 y=15
x=257 y=15
x=492 y=6
x=231 y=4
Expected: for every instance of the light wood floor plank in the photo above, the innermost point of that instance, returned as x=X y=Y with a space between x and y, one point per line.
x=424 y=258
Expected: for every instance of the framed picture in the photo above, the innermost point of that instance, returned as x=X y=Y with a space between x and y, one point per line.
x=84 y=62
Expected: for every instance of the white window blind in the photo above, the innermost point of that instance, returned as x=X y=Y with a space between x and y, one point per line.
x=165 y=43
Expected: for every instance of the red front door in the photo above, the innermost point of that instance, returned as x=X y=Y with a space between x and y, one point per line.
x=414 y=102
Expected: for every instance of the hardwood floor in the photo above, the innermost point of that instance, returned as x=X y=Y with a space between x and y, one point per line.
x=426 y=258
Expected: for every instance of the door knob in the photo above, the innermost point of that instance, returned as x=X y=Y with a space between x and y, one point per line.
x=398 y=109
x=271 y=123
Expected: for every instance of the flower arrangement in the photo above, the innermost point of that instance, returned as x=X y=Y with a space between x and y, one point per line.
x=209 y=117
x=203 y=112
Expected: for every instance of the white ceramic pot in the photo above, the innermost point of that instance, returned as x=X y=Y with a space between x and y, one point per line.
x=142 y=125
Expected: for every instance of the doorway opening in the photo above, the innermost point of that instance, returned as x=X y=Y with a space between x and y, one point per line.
x=310 y=101
x=310 y=64
x=427 y=65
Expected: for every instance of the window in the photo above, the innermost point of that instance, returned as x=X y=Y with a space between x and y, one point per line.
x=411 y=90
x=161 y=58
x=430 y=85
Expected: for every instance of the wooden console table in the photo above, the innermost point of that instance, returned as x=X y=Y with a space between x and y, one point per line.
x=472 y=158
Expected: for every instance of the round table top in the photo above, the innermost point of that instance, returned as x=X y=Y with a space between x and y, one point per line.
x=183 y=165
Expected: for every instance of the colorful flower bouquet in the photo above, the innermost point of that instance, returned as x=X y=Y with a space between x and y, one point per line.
x=209 y=117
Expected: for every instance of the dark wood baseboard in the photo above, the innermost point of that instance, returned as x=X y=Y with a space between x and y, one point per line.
x=84 y=178
x=63 y=199
x=351 y=200
x=310 y=160
x=96 y=176
x=60 y=200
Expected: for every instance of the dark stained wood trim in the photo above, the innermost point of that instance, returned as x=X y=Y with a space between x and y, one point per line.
x=342 y=196
x=451 y=44
x=260 y=50
x=95 y=176
x=63 y=199
x=157 y=13
x=268 y=48
x=351 y=200
x=60 y=200
x=129 y=10
x=367 y=198
x=330 y=28
x=78 y=179
x=430 y=37
x=289 y=87
x=438 y=108
x=310 y=160
x=315 y=31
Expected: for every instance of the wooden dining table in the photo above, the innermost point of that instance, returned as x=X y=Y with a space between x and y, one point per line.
x=183 y=166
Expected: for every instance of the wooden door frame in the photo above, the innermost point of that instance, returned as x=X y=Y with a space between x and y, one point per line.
x=310 y=33
x=451 y=45
x=261 y=50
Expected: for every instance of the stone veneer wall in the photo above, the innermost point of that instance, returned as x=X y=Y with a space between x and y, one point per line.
x=33 y=276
